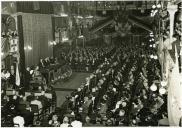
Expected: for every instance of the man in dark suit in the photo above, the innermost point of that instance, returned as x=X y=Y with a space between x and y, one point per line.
x=24 y=101
x=52 y=60
x=42 y=63
x=28 y=77
x=28 y=117
x=47 y=62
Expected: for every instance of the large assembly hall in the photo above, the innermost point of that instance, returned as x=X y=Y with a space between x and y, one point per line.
x=91 y=63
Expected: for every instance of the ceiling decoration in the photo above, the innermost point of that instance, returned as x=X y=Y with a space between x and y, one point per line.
x=8 y=7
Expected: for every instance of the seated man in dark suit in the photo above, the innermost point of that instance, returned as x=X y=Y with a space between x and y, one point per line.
x=28 y=116
x=44 y=100
x=28 y=78
x=47 y=62
x=30 y=97
x=42 y=63
x=52 y=60
x=24 y=101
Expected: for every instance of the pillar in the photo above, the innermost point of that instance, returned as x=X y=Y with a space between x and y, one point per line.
x=172 y=10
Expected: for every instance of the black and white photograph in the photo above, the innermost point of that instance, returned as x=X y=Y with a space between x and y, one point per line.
x=91 y=63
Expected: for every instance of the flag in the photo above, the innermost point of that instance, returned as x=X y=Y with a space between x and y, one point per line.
x=174 y=94
x=17 y=76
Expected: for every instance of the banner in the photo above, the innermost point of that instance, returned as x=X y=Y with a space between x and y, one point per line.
x=17 y=75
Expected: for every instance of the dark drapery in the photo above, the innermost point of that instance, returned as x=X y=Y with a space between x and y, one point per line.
x=37 y=31
x=21 y=45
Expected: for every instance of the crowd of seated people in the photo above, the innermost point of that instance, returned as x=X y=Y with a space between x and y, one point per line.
x=148 y=107
x=31 y=73
x=116 y=94
x=31 y=106
x=59 y=71
x=6 y=78
x=33 y=94
x=85 y=59
x=48 y=61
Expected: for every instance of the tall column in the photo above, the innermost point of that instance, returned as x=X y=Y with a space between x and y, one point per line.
x=181 y=55
x=172 y=10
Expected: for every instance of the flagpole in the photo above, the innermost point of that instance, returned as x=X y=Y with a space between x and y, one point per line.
x=17 y=82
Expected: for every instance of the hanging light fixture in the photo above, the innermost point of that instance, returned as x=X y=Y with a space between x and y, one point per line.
x=155 y=57
x=153 y=87
x=89 y=17
x=81 y=36
x=29 y=47
x=151 y=56
x=162 y=91
x=54 y=42
x=163 y=83
x=63 y=14
x=154 y=6
x=65 y=39
x=104 y=11
x=51 y=43
x=158 y=5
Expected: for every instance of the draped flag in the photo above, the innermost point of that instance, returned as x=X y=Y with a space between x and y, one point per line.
x=17 y=75
x=174 y=94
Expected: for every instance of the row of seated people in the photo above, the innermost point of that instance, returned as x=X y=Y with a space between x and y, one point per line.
x=55 y=69
x=105 y=99
x=31 y=73
x=148 y=107
x=47 y=67
x=7 y=79
x=48 y=61
x=31 y=106
x=86 y=59
x=35 y=74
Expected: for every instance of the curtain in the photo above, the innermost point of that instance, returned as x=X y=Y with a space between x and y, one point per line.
x=37 y=32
